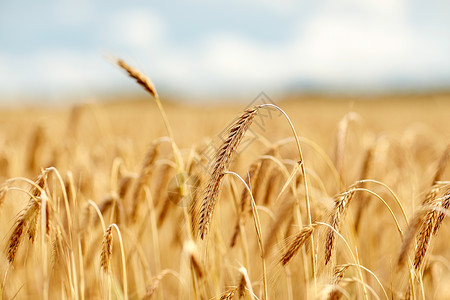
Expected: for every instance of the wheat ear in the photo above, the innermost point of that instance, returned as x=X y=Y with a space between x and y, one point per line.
x=221 y=163
x=28 y=219
x=340 y=208
x=105 y=255
x=429 y=226
x=298 y=241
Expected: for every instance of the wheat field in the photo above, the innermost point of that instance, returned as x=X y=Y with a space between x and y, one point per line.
x=127 y=199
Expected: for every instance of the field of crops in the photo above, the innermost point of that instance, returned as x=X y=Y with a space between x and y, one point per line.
x=300 y=198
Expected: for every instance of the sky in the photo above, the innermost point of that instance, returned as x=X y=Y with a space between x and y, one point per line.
x=51 y=49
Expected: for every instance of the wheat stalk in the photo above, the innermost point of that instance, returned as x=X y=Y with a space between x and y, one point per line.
x=147 y=84
x=254 y=167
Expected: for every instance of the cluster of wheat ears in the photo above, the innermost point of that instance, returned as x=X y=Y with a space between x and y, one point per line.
x=175 y=230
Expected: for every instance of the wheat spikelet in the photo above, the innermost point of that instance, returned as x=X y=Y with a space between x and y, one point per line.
x=444 y=205
x=28 y=219
x=228 y=295
x=432 y=194
x=222 y=161
x=142 y=80
x=105 y=255
x=423 y=238
x=429 y=226
x=339 y=273
x=15 y=239
x=32 y=213
x=240 y=290
x=33 y=217
x=40 y=183
x=340 y=208
x=295 y=245
x=420 y=218
x=335 y=292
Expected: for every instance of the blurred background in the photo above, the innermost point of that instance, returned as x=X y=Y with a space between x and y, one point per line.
x=56 y=51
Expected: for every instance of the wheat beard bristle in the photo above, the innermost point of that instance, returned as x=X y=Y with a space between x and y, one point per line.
x=223 y=159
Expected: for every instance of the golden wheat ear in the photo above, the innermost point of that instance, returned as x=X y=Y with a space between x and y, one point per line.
x=221 y=163
x=140 y=78
x=105 y=255
x=430 y=226
x=297 y=243
x=341 y=204
x=28 y=218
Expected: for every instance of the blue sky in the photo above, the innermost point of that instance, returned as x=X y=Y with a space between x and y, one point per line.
x=57 y=48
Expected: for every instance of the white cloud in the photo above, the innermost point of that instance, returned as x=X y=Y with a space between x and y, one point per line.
x=359 y=44
x=343 y=44
x=136 y=27
x=58 y=74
